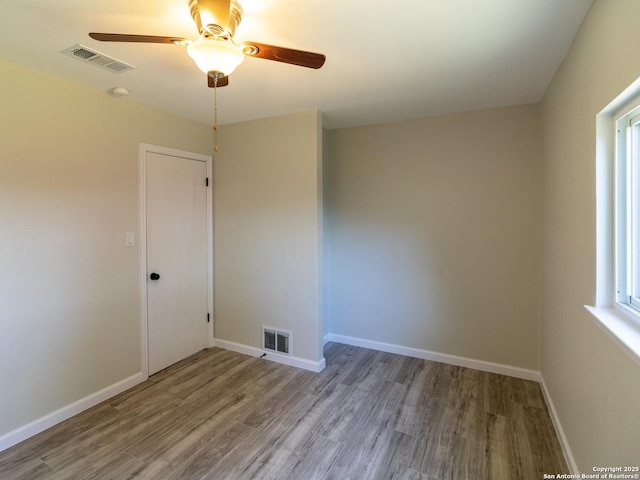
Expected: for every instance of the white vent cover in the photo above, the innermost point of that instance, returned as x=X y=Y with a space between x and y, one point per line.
x=276 y=340
x=96 y=58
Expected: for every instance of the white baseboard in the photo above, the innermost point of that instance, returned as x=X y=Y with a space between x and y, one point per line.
x=274 y=357
x=437 y=357
x=22 y=433
x=564 y=444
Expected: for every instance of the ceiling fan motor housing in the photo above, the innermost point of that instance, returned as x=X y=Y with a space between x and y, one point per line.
x=208 y=22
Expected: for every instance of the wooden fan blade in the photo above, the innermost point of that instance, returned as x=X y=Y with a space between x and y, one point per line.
x=284 y=55
x=222 y=81
x=213 y=12
x=122 y=37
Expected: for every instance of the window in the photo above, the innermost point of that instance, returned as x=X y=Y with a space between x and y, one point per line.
x=627 y=210
x=617 y=299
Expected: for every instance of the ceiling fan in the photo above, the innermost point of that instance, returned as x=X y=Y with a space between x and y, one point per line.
x=215 y=52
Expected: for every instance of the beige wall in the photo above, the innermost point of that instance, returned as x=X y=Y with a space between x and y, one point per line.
x=69 y=301
x=267 y=229
x=594 y=385
x=433 y=234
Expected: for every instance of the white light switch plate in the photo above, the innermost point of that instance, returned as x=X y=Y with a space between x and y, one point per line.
x=131 y=239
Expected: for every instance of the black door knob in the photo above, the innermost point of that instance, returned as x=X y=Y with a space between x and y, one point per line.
x=154 y=276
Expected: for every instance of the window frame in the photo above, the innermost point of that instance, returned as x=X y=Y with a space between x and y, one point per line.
x=627 y=209
x=619 y=322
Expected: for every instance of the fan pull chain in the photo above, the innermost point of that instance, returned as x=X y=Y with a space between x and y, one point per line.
x=215 y=113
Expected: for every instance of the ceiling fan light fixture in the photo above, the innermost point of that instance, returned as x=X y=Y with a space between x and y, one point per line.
x=213 y=54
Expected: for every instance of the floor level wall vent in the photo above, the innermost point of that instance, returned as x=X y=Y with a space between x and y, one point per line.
x=276 y=340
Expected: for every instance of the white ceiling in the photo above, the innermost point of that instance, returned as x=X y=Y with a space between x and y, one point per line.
x=386 y=61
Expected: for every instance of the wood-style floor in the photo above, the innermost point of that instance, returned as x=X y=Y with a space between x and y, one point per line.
x=369 y=415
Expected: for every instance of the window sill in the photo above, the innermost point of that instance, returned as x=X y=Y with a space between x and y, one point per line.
x=624 y=331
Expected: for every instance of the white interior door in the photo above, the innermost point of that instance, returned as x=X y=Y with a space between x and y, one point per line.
x=177 y=259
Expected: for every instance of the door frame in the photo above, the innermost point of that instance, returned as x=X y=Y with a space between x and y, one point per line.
x=142 y=210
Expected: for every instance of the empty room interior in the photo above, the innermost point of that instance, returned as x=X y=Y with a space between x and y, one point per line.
x=404 y=254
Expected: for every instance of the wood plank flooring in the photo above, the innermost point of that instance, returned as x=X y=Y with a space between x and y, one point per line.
x=369 y=415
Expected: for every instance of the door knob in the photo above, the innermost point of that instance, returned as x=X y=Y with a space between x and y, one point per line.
x=154 y=276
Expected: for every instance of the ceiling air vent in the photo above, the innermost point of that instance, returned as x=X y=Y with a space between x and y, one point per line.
x=96 y=58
